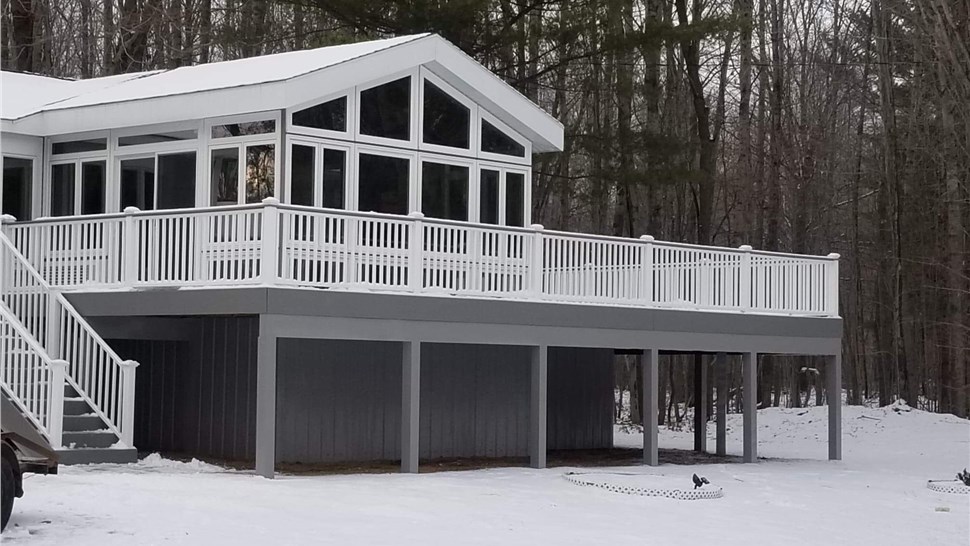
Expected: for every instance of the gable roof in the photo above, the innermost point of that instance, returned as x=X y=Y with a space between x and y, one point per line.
x=44 y=106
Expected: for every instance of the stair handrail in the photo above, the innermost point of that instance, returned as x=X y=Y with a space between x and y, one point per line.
x=113 y=403
x=50 y=424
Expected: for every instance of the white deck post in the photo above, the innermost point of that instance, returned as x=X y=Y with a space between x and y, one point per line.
x=410 y=406
x=745 y=293
x=265 y=401
x=416 y=252
x=56 y=400
x=723 y=392
x=535 y=262
x=832 y=285
x=127 y=424
x=129 y=256
x=646 y=269
x=649 y=392
x=538 y=406
x=53 y=341
x=833 y=371
x=270 y=242
x=749 y=374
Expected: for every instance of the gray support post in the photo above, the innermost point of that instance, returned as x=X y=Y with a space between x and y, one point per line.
x=265 y=400
x=833 y=370
x=410 y=405
x=749 y=373
x=700 y=404
x=651 y=383
x=538 y=406
x=723 y=391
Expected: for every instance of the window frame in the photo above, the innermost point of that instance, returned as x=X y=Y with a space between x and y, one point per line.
x=473 y=118
x=503 y=170
x=414 y=197
x=415 y=119
x=473 y=181
x=351 y=132
x=319 y=145
x=514 y=135
x=77 y=162
x=36 y=182
x=240 y=143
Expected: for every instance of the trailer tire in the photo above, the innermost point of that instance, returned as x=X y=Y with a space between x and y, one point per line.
x=8 y=488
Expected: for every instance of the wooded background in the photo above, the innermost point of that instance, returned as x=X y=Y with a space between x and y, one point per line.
x=810 y=126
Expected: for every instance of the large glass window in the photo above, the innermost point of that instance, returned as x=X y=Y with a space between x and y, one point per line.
x=446 y=121
x=334 y=178
x=496 y=142
x=176 y=180
x=225 y=176
x=488 y=202
x=330 y=116
x=138 y=183
x=17 y=183
x=244 y=129
x=260 y=172
x=79 y=146
x=385 y=110
x=383 y=183
x=303 y=164
x=514 y=199
x=444 y=191
x=62 y=189
x=93 y=174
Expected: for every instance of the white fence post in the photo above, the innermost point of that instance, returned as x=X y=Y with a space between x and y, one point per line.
x=416 y=252
x=128 y=402
x=53 y=342
x=746 y=277
x=832 y=285
x=646 y=269
x=55 y=429
x=535 y=262
x=129 y=255
x=270 y=242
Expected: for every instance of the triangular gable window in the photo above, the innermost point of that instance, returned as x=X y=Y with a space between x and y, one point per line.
x=385 y=110
x=446 y=121
x=329 y=116
x=496 y=142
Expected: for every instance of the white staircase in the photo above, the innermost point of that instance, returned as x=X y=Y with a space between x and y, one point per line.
x=58 y=372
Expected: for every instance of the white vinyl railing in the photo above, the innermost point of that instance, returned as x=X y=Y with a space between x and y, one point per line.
x=270 y=243
x=55 y=327
x=31 y=379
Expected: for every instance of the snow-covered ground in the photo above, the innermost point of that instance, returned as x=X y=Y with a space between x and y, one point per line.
x=877 y=495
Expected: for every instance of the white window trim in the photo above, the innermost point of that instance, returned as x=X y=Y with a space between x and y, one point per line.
x=319 y=145
x=273 y=115
x=412 y=142
x=115 y=192
x=193 y=143
x=240 y=143
x=36 y=183
x=349 y=135
x=78 y=180
x=473 y=180
x=414 y=198
x=500 y=158
x=473 y=118
x=503 y=170
x=106 y=135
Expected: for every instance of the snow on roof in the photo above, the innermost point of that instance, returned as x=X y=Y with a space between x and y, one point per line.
x=25 y=94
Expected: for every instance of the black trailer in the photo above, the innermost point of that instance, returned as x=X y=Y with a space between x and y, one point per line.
x=22 y=450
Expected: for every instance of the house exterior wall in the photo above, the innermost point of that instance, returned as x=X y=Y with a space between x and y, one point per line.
x=340 y=400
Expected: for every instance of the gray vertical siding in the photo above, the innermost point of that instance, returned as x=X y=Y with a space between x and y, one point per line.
x=341 y=400
x=197 y=396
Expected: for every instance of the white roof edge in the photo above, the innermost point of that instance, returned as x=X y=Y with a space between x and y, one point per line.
x=491 y=92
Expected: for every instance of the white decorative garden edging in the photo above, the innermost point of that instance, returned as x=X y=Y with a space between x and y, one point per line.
x=948 y=486
x=703 y=493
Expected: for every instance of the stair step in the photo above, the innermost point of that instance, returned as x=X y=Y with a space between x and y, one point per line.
x=89 y=438
x=83 y=423
x=76 y=406
x=96 y=455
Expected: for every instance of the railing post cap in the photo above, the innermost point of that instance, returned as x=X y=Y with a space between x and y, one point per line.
x=834 y=256
x=131 y=210
x=416 y=214
x=647 y=238
x=271 y=201
x=537 y=227
x=746 y=248
x=129 y=364
x=59 y=363
x=7 y=218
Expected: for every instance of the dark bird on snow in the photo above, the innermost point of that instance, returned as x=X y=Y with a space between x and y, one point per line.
x=699 y=481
